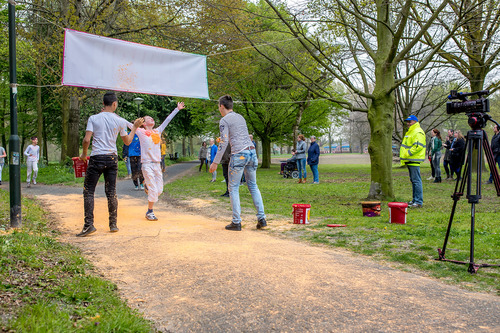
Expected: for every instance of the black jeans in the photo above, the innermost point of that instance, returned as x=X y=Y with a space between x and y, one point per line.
x=135 y=166
x=203 y=161
x=106 y=165
x=225 y=173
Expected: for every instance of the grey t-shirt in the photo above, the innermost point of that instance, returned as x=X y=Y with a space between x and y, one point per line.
x=2 y=159
x=105 y=127
x=233 y=131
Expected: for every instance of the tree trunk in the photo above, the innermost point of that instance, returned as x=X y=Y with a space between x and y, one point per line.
x=2 y=123
x=73 y=141
x=380 y=147
x=266 y=153
x=191 y=146
x=65 y=122
x=39 y=111
x=184 y=147
x=45 y=146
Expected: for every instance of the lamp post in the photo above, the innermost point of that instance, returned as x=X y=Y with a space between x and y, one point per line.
x=14 y=154
x=138 y=101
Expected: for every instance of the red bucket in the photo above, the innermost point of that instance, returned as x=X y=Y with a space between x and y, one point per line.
x=80 y=166
x=371 y=208
x=301 y=213
x=397 y=212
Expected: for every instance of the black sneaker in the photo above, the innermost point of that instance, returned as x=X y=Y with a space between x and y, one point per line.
x=234 y=226
x=86 y=231
x=113 y=228
x=261 y=223
x=224 y=195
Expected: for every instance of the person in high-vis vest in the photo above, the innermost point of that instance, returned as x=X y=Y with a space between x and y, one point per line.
x=411 y=154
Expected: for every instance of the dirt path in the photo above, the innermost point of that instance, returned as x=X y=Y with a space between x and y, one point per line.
x=188 y=274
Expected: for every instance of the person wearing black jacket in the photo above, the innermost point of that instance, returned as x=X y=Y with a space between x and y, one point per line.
x=456 y=153
x=313 y=159
x=446 y=159
x=495 y=148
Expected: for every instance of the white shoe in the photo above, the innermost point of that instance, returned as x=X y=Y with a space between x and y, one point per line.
x=223 y=181
x=137 y=188
x=430 y=178
x=151 y=216
x=142 y=186
x=34 y=182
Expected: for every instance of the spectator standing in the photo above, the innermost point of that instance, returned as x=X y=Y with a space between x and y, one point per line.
x=495 y=148
x=226 y=158
x=234 y=131
x=134 y=153
x=313 y=159
x=300 y=155
x=456 y=153
x=411 y=154
x=213 y=152
x=3 y=154
x=126 y=159
x=32 y=154
x=202 y=155
x=104 y=127
x=436 y=145
x=446 y=159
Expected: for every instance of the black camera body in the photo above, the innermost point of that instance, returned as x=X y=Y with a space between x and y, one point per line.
x=474 y=109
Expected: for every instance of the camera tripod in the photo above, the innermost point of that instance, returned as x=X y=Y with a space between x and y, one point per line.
x=476 y=142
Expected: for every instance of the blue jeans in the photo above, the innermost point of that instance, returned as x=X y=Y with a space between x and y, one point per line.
x=314 y=169
x=416 y=182
x=301 y=165
x=244 y=162
x=436 y=160
x=1 y=167
x=127 y=164
x=497 y=161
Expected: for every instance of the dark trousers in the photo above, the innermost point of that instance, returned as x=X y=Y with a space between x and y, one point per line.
x=225 y=173
x=433 y=171
x=135 y=165
x=445 y=165
x=106 y=165
x=203 y=161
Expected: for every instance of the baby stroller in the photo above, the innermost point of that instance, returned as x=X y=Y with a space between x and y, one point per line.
x=290 y=170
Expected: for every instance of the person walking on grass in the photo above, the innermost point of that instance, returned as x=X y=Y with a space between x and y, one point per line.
x=457 y=151
x=150 y=139
x=226 y=158
x=104 y=127
x=495 y=148
x=213 y=152
x=234 y=131
x=202 y=156
x=313 y=159
x=411 y=154
x=3 y=154
x=32 y=154
x=436 y=145
x=300 y=155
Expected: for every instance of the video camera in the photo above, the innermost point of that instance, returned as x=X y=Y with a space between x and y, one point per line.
x=475 y=109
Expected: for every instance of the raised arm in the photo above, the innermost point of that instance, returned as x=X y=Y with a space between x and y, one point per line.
x=180 y=106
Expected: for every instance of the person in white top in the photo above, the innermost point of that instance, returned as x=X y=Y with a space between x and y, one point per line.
x=150 y=139
x=104 y=127
x=32 y=154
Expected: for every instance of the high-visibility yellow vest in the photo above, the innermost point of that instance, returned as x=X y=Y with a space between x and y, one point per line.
x=412 y=151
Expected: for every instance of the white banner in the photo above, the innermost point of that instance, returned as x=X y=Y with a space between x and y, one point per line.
x=93 y=61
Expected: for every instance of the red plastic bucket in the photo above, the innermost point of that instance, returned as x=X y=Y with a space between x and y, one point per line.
x=301 y=213
x=371 y=208
x=80 y=166
x=397 y=212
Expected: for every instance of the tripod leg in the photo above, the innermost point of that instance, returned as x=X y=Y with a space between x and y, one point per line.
x=472 y=267
x=491 y=164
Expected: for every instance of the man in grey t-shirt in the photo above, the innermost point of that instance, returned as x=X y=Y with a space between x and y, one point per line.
x=103 y=128
x=234 y=131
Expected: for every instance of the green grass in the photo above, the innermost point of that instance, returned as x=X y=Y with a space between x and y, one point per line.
x=47 y=286
x=336 y=200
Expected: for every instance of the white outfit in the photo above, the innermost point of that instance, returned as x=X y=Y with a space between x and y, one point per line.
x=33 y=154
x=151 y=157
x=105 y=126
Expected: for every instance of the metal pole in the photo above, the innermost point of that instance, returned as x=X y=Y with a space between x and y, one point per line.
x=14 y=153
x=138 y=113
